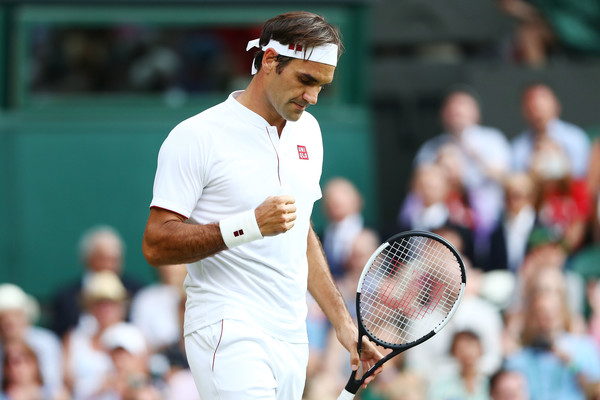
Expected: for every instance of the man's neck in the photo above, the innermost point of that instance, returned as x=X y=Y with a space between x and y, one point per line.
x=255 y=99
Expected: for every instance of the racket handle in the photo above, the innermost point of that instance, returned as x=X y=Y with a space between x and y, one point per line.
x=346 y=395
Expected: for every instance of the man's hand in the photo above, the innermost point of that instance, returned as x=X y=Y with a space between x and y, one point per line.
x=369 y=354
x=276 y=215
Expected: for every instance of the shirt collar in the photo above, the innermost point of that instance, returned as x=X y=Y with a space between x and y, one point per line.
x=248 y=115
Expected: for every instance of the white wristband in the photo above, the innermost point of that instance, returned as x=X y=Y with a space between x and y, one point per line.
x=240 y=228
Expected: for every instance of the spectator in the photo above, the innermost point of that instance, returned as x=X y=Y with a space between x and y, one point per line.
x=101 y=249
x=474 y=314
x=17 y=313
x=508 y=385
x=343 y=205
x=564 y=204
x=469 y=383
x=541 y=110
x=427 y=206
x=534 y=37
x=87 y=361
x=22 y=378
x=593 y=183
x=544 y=25
x=508 y=242
x=556 y=363
x=154 y=309
x=484 y=152
x=131 y=378
x=593 y=299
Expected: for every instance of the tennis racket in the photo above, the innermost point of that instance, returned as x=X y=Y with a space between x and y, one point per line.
x=408 y=291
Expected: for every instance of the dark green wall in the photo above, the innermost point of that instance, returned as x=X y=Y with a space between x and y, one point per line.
x=64 y=172
x=69 y=163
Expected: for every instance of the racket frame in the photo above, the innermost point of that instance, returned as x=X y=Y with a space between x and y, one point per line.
x=354 y=384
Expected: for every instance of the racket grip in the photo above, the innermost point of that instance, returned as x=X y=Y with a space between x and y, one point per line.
x=346 y=395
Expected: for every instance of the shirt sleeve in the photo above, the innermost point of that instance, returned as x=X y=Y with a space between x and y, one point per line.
x=179 y=178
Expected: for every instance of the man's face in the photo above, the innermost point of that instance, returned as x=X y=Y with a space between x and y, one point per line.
x=106 y=256
x=540 y=106
x=291 y=90
x=459 y=112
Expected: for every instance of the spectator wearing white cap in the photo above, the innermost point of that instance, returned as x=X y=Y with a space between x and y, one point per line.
x=18 y=311
x=87 y=361
x=131 y=378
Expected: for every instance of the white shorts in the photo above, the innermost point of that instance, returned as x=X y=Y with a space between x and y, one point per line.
x=233 y=361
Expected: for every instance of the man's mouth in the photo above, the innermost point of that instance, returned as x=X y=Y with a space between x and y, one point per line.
x=300 y=106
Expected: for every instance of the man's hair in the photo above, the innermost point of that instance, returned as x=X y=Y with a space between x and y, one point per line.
x=300 y=28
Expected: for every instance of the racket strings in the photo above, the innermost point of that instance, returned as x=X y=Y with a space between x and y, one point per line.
x=410 y=288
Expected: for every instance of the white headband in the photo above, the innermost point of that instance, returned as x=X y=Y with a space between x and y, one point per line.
x=325 y=54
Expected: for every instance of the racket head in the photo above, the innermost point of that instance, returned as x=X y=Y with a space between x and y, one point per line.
x=409 y=289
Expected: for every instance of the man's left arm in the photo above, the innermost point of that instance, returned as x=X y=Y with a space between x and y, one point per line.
x=322 y=287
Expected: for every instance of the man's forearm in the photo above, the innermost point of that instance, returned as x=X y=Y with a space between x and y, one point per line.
x=169 y=240
x=322 y=287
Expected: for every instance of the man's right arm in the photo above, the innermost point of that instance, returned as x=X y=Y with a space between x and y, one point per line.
x=168 y=239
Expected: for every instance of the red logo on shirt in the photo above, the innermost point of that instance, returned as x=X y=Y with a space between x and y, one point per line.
x=302 y=153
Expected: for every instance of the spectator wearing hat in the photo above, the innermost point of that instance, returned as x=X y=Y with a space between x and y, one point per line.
x=18 y=311
x=87 y=361
x=131 y=378
x=101 y=248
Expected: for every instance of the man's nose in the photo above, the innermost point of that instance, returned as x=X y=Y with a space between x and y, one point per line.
x=311 y=95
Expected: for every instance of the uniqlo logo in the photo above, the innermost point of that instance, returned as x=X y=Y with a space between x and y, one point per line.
x=302 y=153
x=238 y=233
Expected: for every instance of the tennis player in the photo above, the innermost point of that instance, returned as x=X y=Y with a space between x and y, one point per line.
x=233 y=195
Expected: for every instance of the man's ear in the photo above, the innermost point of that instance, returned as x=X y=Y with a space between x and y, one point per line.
x=269 y=61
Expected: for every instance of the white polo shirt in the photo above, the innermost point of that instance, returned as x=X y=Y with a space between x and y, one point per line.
x=227 y=160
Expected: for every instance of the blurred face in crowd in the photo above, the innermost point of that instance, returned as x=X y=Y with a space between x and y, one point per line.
x=549 y=162
x=126 y=362
x=106 y=254
x=431 y=184
x=108 y=311
x=510 y=386
x=467 y=350
x=460 y=111
x=540 y=106
x=451 y=160
x=547 y=311
x=364 y=245
x=13 y=324
x=341 y=199
x=20 y=365
x=519 y=193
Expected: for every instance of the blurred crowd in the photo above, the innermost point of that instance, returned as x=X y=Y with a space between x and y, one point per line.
x=109 y=336
x=520 y=211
